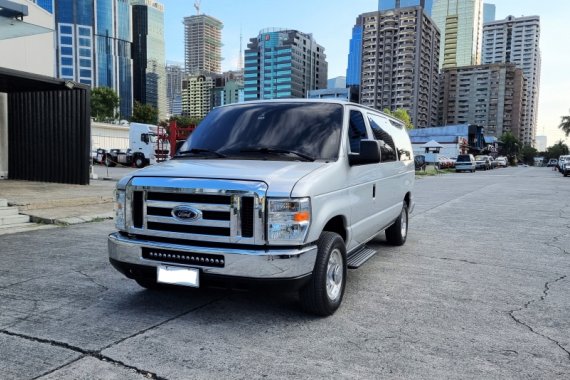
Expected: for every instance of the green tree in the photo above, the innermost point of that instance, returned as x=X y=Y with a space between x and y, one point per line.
x=527 y=154
x=565 y=125
x=104 y=103
x=401 y=114
x=186 y=121
x=144 y=113
x=557 y=150
x=510 y=146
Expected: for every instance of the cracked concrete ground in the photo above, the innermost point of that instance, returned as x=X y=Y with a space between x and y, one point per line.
x=480 y=290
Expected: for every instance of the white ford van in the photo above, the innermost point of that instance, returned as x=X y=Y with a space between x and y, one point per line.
x=285 y=191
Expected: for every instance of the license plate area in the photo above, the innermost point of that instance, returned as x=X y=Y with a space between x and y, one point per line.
x=168 y=274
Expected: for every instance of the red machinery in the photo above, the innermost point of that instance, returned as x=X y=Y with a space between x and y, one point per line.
x=177 y=134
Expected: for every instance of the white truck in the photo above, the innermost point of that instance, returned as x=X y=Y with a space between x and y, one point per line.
x=287 y=191
x=145 y=148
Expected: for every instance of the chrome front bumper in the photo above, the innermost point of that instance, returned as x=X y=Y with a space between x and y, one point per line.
x=255 y=264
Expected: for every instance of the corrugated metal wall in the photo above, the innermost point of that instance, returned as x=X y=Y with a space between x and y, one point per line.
x=49 y=136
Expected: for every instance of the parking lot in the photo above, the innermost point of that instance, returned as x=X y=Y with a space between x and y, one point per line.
x=481 y=289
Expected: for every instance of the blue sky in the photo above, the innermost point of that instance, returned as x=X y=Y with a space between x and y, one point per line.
x=331 y=22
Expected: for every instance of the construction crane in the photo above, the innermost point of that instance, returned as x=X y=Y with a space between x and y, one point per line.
x=197 y=6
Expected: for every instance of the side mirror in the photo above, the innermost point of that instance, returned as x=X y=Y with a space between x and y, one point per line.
x=369 y=153
x=144 y=138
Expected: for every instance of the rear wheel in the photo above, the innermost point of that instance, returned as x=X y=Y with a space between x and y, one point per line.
x=140 y=161
x=397 y=233
x=323 y=294
x=109 y=161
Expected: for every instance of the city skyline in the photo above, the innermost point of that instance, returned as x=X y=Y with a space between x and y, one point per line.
x=333 y=30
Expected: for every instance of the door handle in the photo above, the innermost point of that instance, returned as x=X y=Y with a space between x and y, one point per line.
x=373 y=191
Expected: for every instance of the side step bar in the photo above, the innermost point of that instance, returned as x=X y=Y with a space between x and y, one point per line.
x=359 y=257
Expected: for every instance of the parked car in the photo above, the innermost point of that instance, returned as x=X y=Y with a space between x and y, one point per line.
x=445 y=162
x=553 y=162
x=493 y=162
x=502 y=162
x=561 y=161
x=465 y=162
x=565 y=169
x=420 y=162
x=482 y=162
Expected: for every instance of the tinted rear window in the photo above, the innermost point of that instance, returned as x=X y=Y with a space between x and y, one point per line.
x=463 y=158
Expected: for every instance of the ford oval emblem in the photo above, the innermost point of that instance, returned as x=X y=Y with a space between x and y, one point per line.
x=186 y=213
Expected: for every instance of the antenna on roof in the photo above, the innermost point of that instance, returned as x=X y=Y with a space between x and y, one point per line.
x=197 y=6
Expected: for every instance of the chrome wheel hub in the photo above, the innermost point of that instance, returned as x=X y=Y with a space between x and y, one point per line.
x=335 y=275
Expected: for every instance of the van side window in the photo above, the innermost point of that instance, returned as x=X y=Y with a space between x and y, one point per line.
x=356 y=131
x=387 y=146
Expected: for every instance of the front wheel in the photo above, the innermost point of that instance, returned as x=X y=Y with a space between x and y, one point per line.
x=323 y=294
x=139 y=162
x=397 y=233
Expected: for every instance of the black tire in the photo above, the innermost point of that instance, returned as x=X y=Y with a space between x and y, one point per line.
x=109 y=161
x=330 y=269
x=397 y=233
x=140 y=162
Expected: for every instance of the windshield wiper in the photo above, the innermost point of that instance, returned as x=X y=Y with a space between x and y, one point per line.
x=276 y=150
x=193 y=151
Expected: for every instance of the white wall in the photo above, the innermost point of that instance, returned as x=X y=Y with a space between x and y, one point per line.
x=109 y=136
x=35 y=53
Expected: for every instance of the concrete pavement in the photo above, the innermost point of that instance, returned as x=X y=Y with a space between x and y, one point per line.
x=481 y=289
x=64 y=204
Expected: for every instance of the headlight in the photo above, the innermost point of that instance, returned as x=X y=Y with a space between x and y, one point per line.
x=288 y=220
x=120 y=209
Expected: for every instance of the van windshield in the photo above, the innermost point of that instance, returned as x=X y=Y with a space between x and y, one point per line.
x=270 y=129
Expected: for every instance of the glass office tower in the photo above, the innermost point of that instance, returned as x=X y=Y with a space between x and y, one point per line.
x=45 y=4
x=281 y=63
x=354 y=56
x=461 y=25
x=149 y=63
x=94 y=45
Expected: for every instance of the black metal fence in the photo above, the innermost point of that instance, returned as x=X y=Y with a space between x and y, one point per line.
x=48 y=131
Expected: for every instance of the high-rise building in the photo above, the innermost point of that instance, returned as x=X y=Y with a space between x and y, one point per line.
x=281 y=63
x=202 y=44
x=490 y=96
x=174 y=77
x=386 y=5
x=460 y=23
x=149 y=71
x=197 y=95
x=400 y=51
x=541 y=143
x=516 y=40
x=354 y=56
x=233 y=92
x=488 y=12
x=337 y=82
x=75 y=40
x=45 y=4
x=93 y=39
x=114 y=65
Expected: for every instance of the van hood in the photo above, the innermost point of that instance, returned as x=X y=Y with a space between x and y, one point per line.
x=280 y=176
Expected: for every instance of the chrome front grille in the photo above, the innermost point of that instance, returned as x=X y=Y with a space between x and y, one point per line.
x=197 y=209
